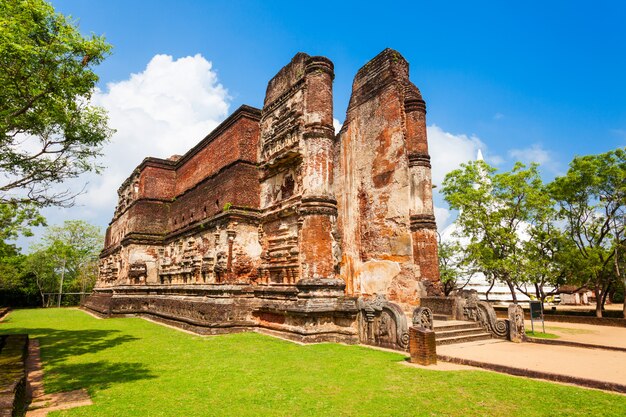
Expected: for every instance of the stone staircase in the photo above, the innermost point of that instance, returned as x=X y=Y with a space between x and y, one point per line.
x=448 y=331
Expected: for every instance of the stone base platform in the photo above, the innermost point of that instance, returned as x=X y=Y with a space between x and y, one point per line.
x=309 y=313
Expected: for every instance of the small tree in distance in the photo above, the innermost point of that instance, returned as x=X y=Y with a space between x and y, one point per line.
x=64 y=260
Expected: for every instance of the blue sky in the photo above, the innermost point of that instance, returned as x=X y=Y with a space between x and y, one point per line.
x=526 y=80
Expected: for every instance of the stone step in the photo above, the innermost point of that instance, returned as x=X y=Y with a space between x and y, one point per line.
x=455 y=325
x=458 y=332
x=463 y=339
x=441 y=317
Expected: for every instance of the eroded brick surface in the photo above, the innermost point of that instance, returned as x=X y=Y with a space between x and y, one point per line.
x=272 y=220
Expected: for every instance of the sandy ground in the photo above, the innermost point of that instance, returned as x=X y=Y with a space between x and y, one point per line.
x=596 y=364
x=584 y=333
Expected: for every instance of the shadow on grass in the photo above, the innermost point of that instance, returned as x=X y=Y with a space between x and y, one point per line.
x=58 y=345
x=94 y=375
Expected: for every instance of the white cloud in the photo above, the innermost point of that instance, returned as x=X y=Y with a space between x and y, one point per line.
x=337 y=125
x=448 y=151
x=442 y=215
x=165 y=109
x=535 y=153
x=498 y=116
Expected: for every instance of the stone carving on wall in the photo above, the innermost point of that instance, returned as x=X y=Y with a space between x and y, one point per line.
x=382 y=323
x=423 y=318
x=127 y=193
x=221 y=266
x=482 y=312
x=137 y=272
x=284 y=132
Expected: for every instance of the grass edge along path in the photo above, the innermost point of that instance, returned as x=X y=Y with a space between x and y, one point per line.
x=133 y=367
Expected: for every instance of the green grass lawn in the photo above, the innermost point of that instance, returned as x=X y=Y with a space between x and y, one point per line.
x=132 y=367
x=538 y=334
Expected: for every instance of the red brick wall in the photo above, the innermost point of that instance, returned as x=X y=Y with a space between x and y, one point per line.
x=237 y=142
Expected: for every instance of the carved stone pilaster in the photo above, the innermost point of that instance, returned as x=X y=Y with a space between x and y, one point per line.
x=517 y=333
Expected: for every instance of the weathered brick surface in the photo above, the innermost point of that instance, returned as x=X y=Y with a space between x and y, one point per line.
x=384 y=186
x=422 y=346
x=272 y=199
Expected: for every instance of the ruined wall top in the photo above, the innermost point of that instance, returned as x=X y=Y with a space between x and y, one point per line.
x=386 y=68
x=293 y=73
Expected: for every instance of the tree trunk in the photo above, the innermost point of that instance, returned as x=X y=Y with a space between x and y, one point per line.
x=624 y=300
x=512 y=289
x=493 y=281
x=605 y=293
x=598 y=295
x=541 y=295
x=61 y=286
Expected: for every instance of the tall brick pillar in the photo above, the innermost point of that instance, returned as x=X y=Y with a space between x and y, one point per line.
x=422 y=219
x=318 y=209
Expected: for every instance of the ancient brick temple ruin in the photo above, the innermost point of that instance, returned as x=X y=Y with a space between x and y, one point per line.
x=275 y=222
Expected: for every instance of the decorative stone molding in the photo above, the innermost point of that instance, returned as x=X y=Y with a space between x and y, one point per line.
x=483 y=312
x=423 y=221
x=419 y=160
x=414 y=104
x=423 y=318
x=382 y=323
x=320 y=63
x=318 y=205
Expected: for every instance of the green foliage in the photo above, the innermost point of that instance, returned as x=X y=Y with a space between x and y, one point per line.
x=67 y=257
x=227 y=206
x=591 y=199
x=48 y=130
x=17 y=220
x=494 y=209
x=126 y=364
x=452 y=266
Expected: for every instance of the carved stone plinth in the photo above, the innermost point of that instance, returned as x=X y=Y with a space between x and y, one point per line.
x=422 y=346
x=517 y=333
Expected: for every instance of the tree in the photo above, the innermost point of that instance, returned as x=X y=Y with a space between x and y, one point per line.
x=592 y=199
x=546 y=256
x=452 y=266
x=49 y=132
x=494 y=213
x=40 y=265
x=64 y=260
x=15 y=220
